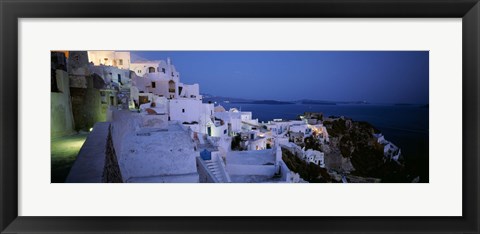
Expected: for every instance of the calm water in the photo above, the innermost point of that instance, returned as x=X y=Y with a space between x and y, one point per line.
x=405 y=126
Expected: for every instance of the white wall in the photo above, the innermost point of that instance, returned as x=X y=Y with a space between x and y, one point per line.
x=218 y=131
x=299 y=128
x=161 y=66
x=123 y=59
x=157 y=83
x=261 y=143
x=191 y=91
x=98 y=57
x=238 y=169
x=141 y=68
x=185 y=110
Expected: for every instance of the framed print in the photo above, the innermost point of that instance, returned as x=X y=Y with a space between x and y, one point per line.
x=276 y=116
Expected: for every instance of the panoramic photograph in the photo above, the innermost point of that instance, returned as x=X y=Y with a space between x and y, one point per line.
x=239 y=116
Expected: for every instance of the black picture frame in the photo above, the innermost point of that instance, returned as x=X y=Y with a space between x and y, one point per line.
x=11 y=11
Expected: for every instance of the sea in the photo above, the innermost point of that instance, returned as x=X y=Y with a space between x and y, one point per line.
x=404 y=125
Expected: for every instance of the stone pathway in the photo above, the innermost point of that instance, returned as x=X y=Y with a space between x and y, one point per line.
x=89 y=165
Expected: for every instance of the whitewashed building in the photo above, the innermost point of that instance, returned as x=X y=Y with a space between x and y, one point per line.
x=119 y=59
x=314 y=156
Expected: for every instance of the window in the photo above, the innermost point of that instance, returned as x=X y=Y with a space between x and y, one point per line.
x=183 y=110
x=119 y=78
x=163 y=70
x=172 y=73
x=151 y=70
x=120 y=62
x=106 y=59
x=154 y=84
x=139 y=71
x=225 y=131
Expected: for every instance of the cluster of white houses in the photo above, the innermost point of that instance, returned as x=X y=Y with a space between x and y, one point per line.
x=162 y=131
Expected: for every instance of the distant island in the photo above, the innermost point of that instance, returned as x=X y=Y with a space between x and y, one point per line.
x=316 y=102
x=219 y=99
x=268 y=102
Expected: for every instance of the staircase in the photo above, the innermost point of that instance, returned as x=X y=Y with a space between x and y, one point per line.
x=213 y=167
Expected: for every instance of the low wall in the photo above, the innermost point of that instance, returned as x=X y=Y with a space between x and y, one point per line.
x=237 y=169
x=121 y=125
x=90 y=162
x=284 y=171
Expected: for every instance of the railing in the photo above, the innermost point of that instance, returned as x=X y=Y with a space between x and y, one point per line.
x=223 y=171
x=210 y=176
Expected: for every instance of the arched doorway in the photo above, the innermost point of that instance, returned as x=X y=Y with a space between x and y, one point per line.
x=151 y=70
x=171 y=86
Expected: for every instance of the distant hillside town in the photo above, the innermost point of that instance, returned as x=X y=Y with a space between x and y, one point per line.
x=145 y=126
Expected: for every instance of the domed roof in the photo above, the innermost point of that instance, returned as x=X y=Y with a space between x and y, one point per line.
x=219 y=108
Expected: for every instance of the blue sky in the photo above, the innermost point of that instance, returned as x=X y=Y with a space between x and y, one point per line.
x=373 y=76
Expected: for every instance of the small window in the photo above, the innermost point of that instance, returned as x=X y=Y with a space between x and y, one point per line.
x=106 y=59
x=163 y=70
x=172 y=73
x=120 y=62
x=139 y=71
x=154 y=84
x=183 y=110
x=225 y=131
x=119 y=78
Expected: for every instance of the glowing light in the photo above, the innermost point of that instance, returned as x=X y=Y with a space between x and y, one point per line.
x=91 y=129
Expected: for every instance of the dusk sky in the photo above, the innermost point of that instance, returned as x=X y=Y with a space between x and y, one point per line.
x=375 y=76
